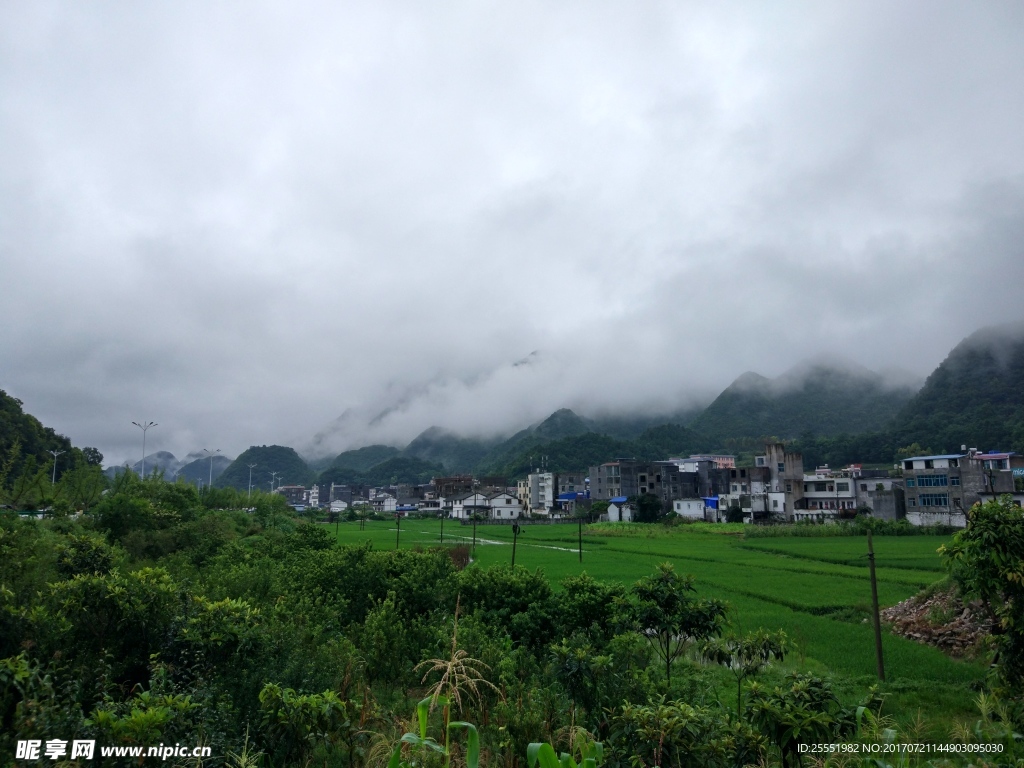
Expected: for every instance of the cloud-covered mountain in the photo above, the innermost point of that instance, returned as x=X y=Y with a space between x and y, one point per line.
x=813 y=398
x=975 y=397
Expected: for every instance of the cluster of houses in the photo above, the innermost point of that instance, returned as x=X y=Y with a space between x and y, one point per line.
x=921 y=489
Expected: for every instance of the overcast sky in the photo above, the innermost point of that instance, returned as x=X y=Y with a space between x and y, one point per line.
x=241 y=219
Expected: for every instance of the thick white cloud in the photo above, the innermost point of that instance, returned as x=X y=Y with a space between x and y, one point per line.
x=241 y=219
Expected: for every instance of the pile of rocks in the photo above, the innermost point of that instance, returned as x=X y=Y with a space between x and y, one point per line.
x=943 y=620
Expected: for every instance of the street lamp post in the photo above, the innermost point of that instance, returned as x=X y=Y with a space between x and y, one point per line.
x=250 y=479
x=53 y=480
x=212 y=454
x=273 y=477
x=144 y=427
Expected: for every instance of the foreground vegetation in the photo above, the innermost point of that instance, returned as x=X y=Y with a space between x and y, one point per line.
x=166 y=616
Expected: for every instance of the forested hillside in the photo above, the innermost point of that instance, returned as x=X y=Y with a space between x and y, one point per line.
x=33 y=441
x=289 y=467
x=397 y=469
x=974 y=398
x=818 y=400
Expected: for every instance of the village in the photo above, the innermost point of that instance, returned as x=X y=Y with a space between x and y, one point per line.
x=777 y=488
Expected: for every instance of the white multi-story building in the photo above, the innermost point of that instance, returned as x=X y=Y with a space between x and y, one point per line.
x=827 y=493
x=542 y=492
x=504 y=506
x=465 y=505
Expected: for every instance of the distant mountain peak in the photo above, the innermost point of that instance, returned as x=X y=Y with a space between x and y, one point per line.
x=561 y=423
x=750 y=381
x=818 y=396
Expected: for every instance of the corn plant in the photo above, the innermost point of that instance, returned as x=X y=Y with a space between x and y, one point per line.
x=591 y=754
x=427 y=744
x=460 y=674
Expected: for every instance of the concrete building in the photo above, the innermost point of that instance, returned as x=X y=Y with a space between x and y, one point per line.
x=503 y=506
x=693 y=509
x=785 y=492
x=570 y=482
x=616 y=478
x=620 y=510
x=542 y=492
x=452 y=486
x=465 y=505
x=941 y=488
x=748 y=491
x=384 y=503
x=719 y=460
x=295 y=495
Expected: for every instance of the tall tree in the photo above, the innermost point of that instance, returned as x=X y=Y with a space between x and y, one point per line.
x=670 y=616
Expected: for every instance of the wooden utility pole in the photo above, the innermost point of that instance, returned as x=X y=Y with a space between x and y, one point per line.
x=442 y=526
x=874 y=610
x=515 y=538
x=398 y=528
x=581 y=538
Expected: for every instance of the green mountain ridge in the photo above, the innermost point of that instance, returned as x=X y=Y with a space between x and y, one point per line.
x=289 y=466
x=974 y=398
x=817 y=399
x=393 y=470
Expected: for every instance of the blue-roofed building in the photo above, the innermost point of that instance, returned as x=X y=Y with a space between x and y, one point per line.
x=620 y=510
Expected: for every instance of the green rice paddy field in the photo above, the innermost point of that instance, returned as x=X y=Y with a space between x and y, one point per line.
x=816 y=589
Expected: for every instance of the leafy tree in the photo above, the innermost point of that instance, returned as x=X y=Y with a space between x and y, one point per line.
x=124 y=615
x=806 y=711
x=84 y=554
x=677 y=735
x=92 y=456
x=986 y=560
x=385 y=642
x=648 y=508
x=590 y=606
x=577 y=667
x=745 y=656
x=295 y=723
x=670 y=616
x=514 y=598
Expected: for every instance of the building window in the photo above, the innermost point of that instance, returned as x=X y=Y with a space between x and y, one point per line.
x=775 y=503
x=911 y=482
x=908 y=465
x=863 y=486
x=929 y=464
x=734 y=486
x=789 y=487
x=911 y=502
x=932 y=481
x=782 y=467
x=842 y=486
x=820 y=487
x=934 y=499
x=954 y=480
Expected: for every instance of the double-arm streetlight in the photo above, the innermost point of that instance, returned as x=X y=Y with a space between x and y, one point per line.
x=250 y=479
x=144 y=427
x=53 y=480
x=212 y=454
